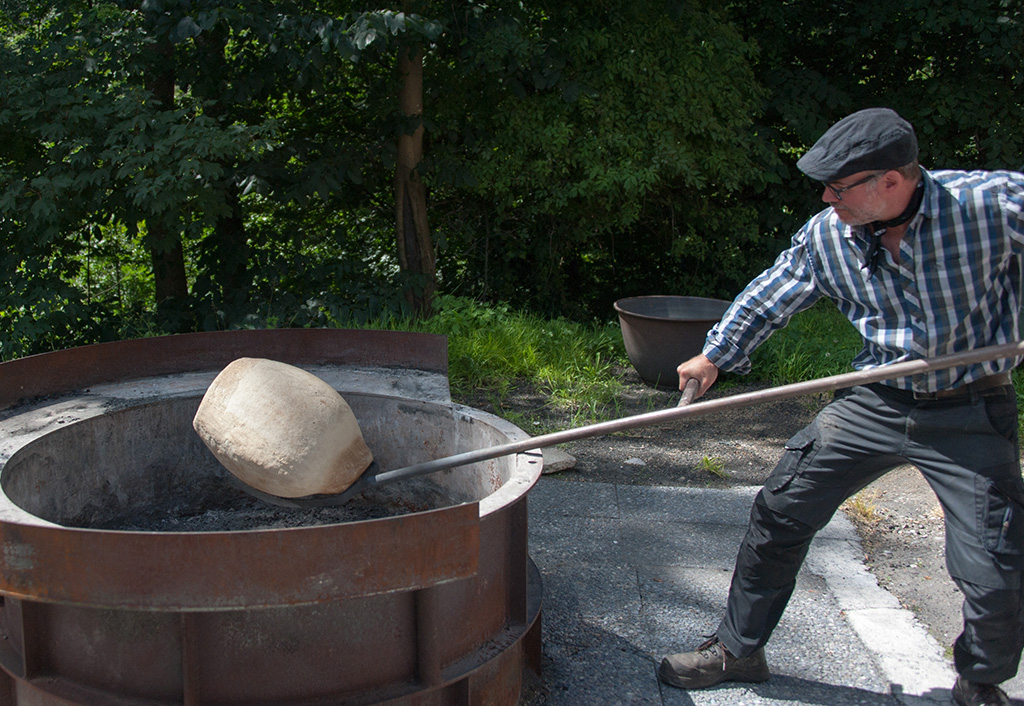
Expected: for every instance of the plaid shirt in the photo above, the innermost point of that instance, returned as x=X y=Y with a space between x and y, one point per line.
x=957 y=286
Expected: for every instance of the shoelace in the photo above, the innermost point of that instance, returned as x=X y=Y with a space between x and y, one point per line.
x=990 y=694
x=707 y=649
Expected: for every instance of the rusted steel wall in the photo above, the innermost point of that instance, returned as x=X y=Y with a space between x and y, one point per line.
x=77 y=368
x=438 y=607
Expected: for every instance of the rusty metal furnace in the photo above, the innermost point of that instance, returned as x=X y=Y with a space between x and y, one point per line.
x=429 y=605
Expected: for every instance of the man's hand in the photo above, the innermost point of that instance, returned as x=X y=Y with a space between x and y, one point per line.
x=698 y=368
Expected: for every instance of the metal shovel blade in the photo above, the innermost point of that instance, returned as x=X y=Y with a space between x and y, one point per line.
x=367 y=480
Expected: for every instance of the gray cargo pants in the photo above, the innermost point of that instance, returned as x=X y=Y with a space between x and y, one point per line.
x=967 y=450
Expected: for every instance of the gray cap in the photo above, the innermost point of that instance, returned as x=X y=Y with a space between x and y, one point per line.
x=874 y=138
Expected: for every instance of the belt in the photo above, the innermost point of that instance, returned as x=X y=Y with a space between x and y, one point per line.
x=972 y=388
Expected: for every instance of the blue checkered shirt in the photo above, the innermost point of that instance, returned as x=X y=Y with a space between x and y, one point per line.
x=957 y=286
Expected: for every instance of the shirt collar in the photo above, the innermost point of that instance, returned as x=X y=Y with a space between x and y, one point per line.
x=929 y=209
x=930 y=205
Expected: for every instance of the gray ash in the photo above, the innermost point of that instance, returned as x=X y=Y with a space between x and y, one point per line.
x=246 y=514
x=231 y=509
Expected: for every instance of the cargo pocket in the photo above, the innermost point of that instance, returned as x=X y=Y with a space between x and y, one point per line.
x=1002 y=414
x=1001 y=515
x=800 y=449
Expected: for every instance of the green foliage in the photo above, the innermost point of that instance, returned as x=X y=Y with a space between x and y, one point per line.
x=602 y=142
x=102 y=165
x=491 y=348
x=578 y=367
x=713 y=465
x=817 y=343
x=576 y=152
x=90 y=141
x=955 y=70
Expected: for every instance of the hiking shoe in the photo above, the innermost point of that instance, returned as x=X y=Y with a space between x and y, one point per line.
x=712 y=664
x=972 y=693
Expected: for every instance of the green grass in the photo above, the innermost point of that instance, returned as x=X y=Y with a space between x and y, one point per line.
x=491 y=349
x=577 y=367
x=817 y=343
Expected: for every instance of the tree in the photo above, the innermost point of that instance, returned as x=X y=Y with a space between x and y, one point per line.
x=254 y=162
x=156 y=118
x=586 y=151
x=954 y=70
x=415 y=249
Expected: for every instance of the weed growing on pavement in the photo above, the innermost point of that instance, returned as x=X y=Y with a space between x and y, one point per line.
x=713 y=465
x=861 y=508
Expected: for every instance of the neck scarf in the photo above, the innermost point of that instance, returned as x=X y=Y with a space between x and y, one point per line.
x=877 y=229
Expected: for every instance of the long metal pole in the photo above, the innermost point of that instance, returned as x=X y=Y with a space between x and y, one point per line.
x=748 y=399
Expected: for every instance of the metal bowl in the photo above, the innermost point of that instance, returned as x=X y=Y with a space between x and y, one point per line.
x=660 y=332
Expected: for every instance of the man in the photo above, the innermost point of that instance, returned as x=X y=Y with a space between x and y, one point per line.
x=923 y=264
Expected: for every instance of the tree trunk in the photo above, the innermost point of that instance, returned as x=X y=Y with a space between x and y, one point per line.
x=415 y=251
x=228 y=245
x=165 y=249
x=230 y=242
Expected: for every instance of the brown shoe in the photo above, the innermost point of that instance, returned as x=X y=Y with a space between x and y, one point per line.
x=972 y=693
x=712 y=664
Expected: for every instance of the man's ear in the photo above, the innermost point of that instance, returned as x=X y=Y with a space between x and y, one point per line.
x=891 y=180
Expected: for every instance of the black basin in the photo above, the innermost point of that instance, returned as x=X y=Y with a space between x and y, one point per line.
x=660 y=332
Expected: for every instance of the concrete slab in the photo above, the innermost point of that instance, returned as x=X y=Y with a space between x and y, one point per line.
x=632 y=573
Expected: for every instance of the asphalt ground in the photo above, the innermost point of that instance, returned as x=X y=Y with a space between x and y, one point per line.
x=632 y=573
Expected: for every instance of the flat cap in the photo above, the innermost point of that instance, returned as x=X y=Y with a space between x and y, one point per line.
x=874 y=138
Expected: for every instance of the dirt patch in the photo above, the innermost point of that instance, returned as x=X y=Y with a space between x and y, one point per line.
x=901 y=524
x=898 y=517
x=718 y=450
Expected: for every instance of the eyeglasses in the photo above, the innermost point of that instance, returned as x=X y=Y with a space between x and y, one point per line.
x=842 y=189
